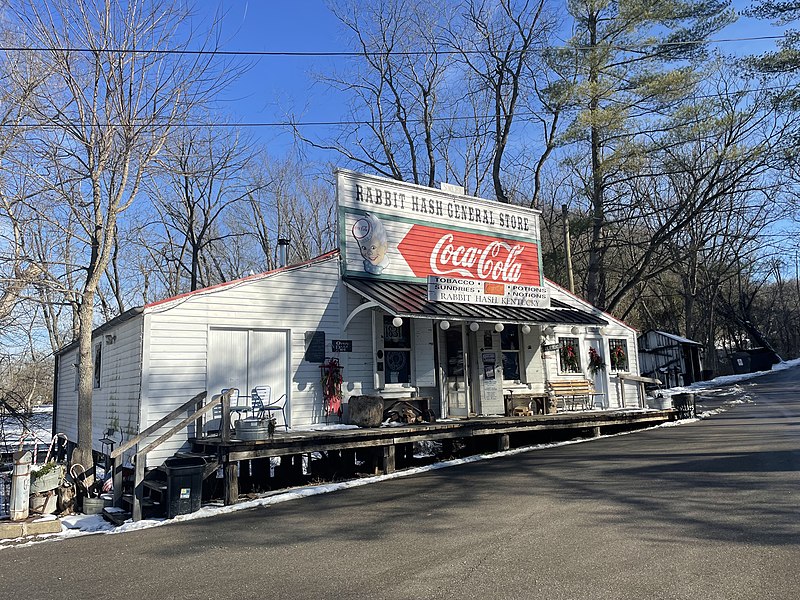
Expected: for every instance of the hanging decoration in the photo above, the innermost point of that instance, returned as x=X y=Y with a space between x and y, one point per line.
x=596 y=363
x=331 y=388
x=569 y=359
x=618 y=358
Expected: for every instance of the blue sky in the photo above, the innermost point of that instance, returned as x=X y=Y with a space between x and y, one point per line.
x=275 y=85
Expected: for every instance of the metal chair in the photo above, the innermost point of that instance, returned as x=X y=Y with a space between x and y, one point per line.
x=261 y=399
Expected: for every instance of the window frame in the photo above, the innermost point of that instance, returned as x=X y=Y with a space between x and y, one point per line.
x=563 y=342
x=97 y=364
x=407 y=350
x=515 y=351
x=612 y=344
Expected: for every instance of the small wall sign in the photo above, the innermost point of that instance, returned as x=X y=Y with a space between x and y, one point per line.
x=341 y=345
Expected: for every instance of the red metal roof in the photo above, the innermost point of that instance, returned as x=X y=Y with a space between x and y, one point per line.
x=411 y=300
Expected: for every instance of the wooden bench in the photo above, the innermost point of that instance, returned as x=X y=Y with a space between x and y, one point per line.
x=573 y=392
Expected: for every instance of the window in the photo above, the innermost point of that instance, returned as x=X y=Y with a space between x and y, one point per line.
x=569 y=358
x=618 y=354
x=509 y=344
x=397 y=351
x=98 y=357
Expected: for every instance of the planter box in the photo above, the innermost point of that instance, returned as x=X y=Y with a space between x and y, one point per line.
x=48 y=481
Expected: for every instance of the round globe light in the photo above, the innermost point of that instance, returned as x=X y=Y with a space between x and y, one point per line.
x=397 y=321
x=499 y=327
x=444 y=325
x=474 y=327
x=526 y=329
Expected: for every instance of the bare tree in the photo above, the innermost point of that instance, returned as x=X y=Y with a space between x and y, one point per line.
x=112 y=97
x=502 y=45
x=394 y=88
x=204 y=176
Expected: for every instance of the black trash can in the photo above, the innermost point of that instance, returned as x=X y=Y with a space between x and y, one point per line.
x=684 y=405
x=184 y=484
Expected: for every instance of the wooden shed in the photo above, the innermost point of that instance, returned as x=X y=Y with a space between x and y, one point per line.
x=673 y=359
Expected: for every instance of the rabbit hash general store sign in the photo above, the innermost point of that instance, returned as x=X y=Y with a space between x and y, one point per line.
x=465 y=249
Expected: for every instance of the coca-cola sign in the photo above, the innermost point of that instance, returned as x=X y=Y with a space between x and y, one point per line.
x=442 y=252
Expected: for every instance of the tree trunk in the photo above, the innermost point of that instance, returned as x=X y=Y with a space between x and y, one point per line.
x=595 y=284
x=83 y=451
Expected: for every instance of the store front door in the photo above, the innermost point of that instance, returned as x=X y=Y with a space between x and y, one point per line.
x=453 y=346
x=487 y=367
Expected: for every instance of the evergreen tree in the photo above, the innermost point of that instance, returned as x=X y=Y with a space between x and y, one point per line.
x=634 y=61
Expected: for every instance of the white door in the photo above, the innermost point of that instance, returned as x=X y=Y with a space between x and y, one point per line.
x=227 y=360
x=487 y=367
x=600 y=377
x=246 y=358
x=267 y=363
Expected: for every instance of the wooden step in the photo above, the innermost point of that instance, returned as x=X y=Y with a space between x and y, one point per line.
x=153 y=484
x=146 y=502
x=116 y=516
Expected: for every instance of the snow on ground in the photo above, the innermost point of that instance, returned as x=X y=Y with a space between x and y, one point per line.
x=36 y=428
x=725 y=388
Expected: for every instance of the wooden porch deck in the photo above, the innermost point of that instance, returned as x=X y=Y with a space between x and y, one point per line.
x=383 y=441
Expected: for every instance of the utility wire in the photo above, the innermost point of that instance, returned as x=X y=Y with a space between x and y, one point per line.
x=335 y=54
x=259 y=124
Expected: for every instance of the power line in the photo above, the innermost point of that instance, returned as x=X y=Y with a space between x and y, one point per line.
x=358 y=122
x=345 y=53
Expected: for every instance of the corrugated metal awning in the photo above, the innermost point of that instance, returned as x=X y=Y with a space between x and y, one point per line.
x=411 y=300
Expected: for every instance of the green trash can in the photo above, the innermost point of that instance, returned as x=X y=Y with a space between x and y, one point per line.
x=184 y=484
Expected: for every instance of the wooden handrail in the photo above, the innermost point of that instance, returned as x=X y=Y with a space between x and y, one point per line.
x=159 y=424
x=141 y=454
x=154 y=444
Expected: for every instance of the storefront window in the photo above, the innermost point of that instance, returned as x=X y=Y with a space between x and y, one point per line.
x=509 y=343
x=455 y=353
x=569 y=358
x=618 y=354
x=397 y=350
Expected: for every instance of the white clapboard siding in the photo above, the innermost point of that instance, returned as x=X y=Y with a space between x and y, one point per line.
x=359 y=371
x=115 y=404
x=177 y=336
x=66 y=419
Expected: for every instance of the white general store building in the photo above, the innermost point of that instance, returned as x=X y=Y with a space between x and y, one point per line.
x=431 y=294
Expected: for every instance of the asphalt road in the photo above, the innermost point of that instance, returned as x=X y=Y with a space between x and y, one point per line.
x=706 y=510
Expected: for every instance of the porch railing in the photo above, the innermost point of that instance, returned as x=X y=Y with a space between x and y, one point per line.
x=200 y=410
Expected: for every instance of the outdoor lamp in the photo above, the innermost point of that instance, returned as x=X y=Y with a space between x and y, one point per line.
x=499 y=327
x=575 y=330
x=397 y=321
x=444 y=325
x=474 y=327
x=548 y=331
x=526 y=329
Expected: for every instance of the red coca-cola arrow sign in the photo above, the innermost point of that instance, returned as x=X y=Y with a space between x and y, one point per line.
x=447 y=253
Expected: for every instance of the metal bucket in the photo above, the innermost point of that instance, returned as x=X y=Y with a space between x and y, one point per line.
x=251 y=429
x=92 y=506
